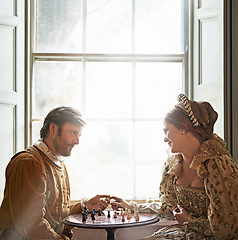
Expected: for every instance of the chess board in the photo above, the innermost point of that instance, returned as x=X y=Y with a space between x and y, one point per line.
x=104 y=221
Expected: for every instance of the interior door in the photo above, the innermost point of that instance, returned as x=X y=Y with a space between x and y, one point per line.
x=11 y=82
x=208 y=80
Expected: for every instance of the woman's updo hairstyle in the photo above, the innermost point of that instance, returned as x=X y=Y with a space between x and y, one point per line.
x=195 y=117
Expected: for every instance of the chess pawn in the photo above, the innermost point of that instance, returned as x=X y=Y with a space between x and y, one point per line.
x=99 y=212
x=125 y=211
x=94 y=211
x=121 y=211
x=93 y=216
x=115 y=214
x=86 y=211
x=129 y=214
x=123 y=218
x=84 y=218
x=137 y=218
x=108 y=214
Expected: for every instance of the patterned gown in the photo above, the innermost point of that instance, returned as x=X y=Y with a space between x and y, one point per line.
x=213 y=210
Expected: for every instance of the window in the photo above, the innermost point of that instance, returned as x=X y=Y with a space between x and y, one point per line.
x=122 y=63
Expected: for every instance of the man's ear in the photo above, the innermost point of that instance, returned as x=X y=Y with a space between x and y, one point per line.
x=52 y=128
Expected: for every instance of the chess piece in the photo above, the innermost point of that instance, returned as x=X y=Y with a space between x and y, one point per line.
x=93 y=216
x=93 y=211
x=86 y=211
x=123 y=217
x=99 y=212
x=129 y=214
x=108 y=214
x=85 y=214
x=115 y=214
x=121 y=211
x=84 y=218
x=125 y=211
x=137 y=218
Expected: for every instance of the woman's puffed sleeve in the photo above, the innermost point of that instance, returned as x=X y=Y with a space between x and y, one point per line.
x=221 y=186
x=26 y=193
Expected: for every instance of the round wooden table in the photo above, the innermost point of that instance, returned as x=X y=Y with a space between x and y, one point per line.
x=110 y=224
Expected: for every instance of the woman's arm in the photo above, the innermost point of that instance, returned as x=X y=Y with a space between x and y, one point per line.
x=221 y=186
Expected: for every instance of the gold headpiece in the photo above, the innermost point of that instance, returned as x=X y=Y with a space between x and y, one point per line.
x=184 y=104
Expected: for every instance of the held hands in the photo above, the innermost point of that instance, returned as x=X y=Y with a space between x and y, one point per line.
x=118 y=203
x=99 y=201
x=180 y=214
x=102 y=201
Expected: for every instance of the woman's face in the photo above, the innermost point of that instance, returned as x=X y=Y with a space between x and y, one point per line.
x=174 y=137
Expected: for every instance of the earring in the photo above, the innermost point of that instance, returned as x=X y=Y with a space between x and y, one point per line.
x=183 y=132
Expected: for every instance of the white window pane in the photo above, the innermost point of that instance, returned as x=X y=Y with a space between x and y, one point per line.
x=149 y=141
x=108 y=90
x=109 y=26
x=55 y=84
x=158 y=26
x=148 y=177
x=157 y=84
x=150 y=152
x=36 y=127
x=105 y=160
x=59 y=26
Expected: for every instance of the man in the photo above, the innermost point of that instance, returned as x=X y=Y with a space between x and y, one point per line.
x=37 y=191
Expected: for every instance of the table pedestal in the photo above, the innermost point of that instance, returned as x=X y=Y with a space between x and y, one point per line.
x=110 y=233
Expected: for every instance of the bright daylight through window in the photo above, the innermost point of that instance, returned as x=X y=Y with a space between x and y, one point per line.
x=122 y=63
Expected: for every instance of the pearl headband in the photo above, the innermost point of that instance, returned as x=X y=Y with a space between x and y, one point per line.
x=185 y=106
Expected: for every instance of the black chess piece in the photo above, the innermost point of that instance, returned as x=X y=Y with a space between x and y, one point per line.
x=108 y=214
x=84 y=218
x=85 y=210
x=94 y=211
x=93 y=216
x=86 y=214
x=99 y=212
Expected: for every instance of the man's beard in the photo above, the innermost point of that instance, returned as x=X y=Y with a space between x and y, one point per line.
x=62 y=152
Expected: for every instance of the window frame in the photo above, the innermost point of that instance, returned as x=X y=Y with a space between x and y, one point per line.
x=86 y=57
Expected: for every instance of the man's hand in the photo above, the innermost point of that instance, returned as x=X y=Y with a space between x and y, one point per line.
x=180 y=214
x=99 y=201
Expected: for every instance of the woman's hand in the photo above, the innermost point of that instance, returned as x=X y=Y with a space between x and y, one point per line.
x=99 y=201
x=118 y=203
x=180 y=214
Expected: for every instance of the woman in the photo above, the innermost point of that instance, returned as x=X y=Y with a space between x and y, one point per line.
x=199 y=186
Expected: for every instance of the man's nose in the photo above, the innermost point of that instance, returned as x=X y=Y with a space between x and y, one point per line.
x=76 y=141
x=165 y=139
